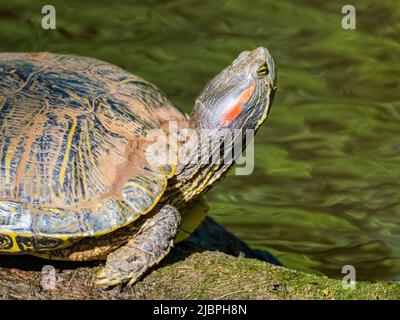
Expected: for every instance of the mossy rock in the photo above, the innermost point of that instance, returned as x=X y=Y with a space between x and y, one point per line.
x=236 y=273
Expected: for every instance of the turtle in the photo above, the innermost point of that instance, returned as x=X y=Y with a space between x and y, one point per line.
x=77 y=179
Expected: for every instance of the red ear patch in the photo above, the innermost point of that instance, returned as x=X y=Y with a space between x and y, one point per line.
x=236 y=108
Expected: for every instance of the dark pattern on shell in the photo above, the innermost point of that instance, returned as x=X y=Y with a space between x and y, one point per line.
x=6 y=242
x=37 y=244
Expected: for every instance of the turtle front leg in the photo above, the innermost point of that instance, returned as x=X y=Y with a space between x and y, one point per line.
x=149 y=246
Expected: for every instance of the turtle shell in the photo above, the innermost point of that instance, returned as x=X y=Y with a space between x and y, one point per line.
x=73 y=138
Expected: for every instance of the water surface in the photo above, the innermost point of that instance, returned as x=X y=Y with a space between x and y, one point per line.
x=325 y=190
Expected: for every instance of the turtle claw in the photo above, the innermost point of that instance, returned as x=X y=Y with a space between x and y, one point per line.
x=101 y=274
x=105 y=280
x=108 y=283
x=132 y=282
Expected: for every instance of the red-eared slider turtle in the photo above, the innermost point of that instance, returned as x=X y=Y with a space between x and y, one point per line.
x=75 y=179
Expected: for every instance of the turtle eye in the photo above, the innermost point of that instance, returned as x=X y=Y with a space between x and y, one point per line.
x=263 y=70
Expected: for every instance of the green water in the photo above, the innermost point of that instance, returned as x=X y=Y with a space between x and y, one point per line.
x=325 y=190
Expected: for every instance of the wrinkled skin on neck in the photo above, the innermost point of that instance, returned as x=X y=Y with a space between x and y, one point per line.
x=236 y=100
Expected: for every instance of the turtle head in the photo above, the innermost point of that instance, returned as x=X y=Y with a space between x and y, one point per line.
x=235 y=101
x=240 y=96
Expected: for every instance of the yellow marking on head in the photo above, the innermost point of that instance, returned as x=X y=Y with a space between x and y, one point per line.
x=67 y=151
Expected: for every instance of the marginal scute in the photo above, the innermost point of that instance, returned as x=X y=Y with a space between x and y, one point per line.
x=37 y=244
x=35 y=228
x=6 y=242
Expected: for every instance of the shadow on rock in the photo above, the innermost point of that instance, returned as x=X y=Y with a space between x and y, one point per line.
x=211 y=236
x=21 y=277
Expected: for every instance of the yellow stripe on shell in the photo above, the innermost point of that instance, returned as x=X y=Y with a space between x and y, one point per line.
x=67 y=151
x=83 y=171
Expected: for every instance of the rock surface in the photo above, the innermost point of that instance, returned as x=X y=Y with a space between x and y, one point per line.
x=211 y=264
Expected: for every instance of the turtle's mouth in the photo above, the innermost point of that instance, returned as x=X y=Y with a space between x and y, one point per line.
x=269 y=97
